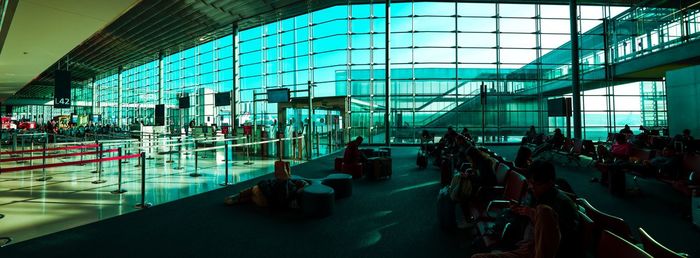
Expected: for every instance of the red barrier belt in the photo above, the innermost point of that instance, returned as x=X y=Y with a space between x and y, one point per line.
x=15 y=169
x=94 y=145
x=58 y=155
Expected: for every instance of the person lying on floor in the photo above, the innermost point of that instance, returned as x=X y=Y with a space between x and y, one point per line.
x=280 y=192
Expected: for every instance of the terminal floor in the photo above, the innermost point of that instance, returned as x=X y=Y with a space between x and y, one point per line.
x=34 y=208
x=386 y=218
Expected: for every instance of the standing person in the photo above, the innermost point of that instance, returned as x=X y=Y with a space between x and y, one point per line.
x=190 y=126
x=530 y=135
x=213 y=130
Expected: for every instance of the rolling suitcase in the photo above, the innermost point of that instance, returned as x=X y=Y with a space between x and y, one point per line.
x=616 y=181
x=446 y=172
x=446 y=209
x=421 y=160
x=379 y=168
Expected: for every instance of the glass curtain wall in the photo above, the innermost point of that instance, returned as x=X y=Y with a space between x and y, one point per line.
x=108 y=97
x=442 y=55
x=198 y=73
x=140 y=93
x=81 y=94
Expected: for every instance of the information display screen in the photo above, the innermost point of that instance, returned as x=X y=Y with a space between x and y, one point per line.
x=278 y=95
x=222 y=99
x=184 y=102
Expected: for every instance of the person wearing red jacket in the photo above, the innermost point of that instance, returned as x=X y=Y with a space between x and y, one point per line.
x=352 y=152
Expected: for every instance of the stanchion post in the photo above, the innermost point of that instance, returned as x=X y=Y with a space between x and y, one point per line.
x=31 y=154
x=196 y=166
x=179 y=155
x=97 y=156
x=143 y=203
x=99 y=166
x=150 y=147
x=225 y=183
x=22 y=154
x=119 y=170
x=170 y=154
x=247 y=153
x=43 y=170
x=14 y=143
x=130 y=144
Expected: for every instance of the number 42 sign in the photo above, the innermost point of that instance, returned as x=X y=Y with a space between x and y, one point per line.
x=61 y=102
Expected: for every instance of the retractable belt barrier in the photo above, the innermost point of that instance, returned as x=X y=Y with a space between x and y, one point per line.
x=58 y=155
x=223 y=140
x=72 y=143
x=30 y=134
x=15 y=169
x=88 y=146
x=246 y=144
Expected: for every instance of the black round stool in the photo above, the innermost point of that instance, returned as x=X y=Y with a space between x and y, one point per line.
x=341 y=184
x=317 y=200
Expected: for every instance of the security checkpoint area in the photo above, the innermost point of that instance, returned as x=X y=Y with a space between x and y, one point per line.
x=77 y=180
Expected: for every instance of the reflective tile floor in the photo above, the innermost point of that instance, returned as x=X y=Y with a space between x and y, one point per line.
x=71 y=198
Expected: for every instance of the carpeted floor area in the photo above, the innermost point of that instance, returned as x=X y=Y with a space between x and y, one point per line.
x=386 y=218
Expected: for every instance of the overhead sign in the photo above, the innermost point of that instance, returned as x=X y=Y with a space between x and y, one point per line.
x=61 y=95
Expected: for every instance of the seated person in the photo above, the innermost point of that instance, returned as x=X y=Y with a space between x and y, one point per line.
x=615 y=158
x=482 y=167
x=684 y=142
x=523 y=159
x=280 y=192
x=465 y=133
x=666 y=164
x=462 y=145
x=530 y=135
x=552 y=219
x=352 y=152
x=556 y=141
x=627 y=132
x=642 y=140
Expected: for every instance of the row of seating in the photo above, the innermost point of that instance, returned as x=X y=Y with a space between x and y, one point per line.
x=602 y=235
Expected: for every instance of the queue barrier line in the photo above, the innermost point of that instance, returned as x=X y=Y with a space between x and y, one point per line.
x=223 y=140
x=30 y=134
x=53 y=149
x=244 y=144
x=59 y=155
x=124 y=141
x=71 y=163
x=71 y=143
